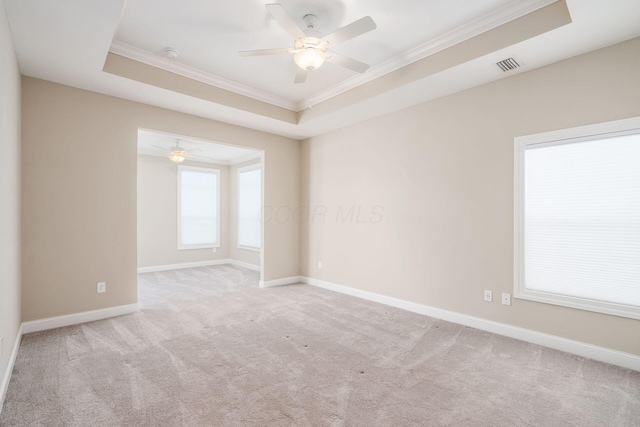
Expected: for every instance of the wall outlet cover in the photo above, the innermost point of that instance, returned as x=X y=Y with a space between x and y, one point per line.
x=506 y=298
x=488 y=296
x=102 y=287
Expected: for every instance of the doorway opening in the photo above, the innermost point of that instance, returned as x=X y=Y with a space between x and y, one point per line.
x=199 y=205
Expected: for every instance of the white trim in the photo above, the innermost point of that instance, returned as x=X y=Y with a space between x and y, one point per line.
x=631 y=123
x=7 y=373
x=210 y=171
x=166 y=64
x=622 y=310
x=602 y=354
x=76 y=318
x=557 y=137
x=166 y=267
x=281 y=282
x=244 y=264
x=249 y=248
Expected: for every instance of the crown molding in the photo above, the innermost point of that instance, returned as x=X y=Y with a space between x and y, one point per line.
x=157 y=61
x=465 y=32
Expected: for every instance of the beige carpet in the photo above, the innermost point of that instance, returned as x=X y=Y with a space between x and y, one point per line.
x=209 y=348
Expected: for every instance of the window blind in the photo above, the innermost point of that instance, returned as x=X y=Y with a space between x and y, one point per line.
x=198 y=209
x=582 y=219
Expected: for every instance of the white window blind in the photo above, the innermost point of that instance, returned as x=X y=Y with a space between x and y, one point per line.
x=580 y=222
x=198 y=207
x=249 y=205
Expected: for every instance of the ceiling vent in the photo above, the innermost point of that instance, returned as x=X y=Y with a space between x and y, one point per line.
x=508 y=64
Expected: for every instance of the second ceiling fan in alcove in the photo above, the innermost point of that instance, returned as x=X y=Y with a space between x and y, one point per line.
x=311 y=49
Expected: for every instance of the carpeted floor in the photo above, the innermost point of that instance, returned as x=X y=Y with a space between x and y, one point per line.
x=209 y=348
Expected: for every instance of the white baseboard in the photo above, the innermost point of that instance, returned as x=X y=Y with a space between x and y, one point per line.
x=244 y=264
x=602 y=354
x=57 y=322
x=4 y=386
x=167 y=267
x=76 y=318
x=281 y=282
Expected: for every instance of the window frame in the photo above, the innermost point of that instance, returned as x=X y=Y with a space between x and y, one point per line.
x=212 y=171
x=248 y=168
x=565 y=136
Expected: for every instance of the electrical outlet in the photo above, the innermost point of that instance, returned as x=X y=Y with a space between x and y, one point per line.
x=488 y=296
x=319 y=265
x=102 y=287
x=506 y=298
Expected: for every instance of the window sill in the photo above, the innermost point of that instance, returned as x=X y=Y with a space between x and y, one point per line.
x=615 y=309
x=249 y=248
x=191 y=247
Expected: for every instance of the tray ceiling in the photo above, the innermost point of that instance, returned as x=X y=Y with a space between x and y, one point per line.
x=209 y=35
x=421 y=50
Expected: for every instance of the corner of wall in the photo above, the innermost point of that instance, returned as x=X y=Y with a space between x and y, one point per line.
x=10 y=204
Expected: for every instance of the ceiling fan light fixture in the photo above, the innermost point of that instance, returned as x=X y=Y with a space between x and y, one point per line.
x=310 y=46
x=177 y=156
x=310 y=58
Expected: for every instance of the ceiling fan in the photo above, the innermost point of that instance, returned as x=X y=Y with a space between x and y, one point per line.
x=177 y=154
x=310 y=49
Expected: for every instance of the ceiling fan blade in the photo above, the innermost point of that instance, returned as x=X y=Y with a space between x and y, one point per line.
x=356 y=28
x=265 y=52
x=301 y=76
x=161 y=148
x=346 y=62
x=285 y=20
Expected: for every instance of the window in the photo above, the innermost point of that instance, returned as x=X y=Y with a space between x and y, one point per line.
x=198 y=208
x=249 y=205
x=577 y=218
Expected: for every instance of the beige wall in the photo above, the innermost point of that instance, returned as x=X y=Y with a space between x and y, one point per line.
x=9 y=195
x=243 y=255
x=443 y=174
x=158 y=214
x=79 y=194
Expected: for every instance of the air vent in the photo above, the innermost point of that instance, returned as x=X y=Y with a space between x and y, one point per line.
x=508 y=64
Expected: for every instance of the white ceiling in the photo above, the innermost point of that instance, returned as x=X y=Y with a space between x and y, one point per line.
x=67 y=41
x=160 y=145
